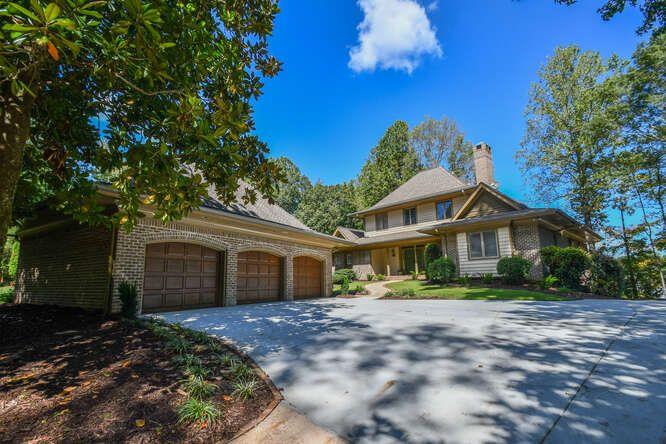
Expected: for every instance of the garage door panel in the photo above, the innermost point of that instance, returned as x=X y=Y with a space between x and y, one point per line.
x=308 y=277
x=179 y=275
x=259 y=277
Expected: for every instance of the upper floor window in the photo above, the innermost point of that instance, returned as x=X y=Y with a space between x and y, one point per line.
x=444 y=209
x=409 y=216
x=483 y=244
x=381 y=221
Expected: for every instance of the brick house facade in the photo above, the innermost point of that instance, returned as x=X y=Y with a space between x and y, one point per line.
x=64 y=263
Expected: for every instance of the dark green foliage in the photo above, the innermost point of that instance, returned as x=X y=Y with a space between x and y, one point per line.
x=128 y=299
x=432 y=252
x=567 y=264
x=514 y=269
x=339 y=275
x=487 y=278
x=654 y=12
x=199 y=411
x=441 y=270
x=606 y=276
x=344 y=285
x=464 y=280
x=415 y=275
x=296 y=185
x=6 y=295
x=370 y=276
x=390 y=164
x=326 y=207
x=380 y=277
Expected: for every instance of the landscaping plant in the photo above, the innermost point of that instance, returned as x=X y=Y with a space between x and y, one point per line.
x=198 y=387
x=606 y=276
x=370 y=276
x=567 y=264
x=245 y=387
x=380 y=277
x=128 y=299
x=432 y=252
x=6 y=295
x=514 y=269
x=487 y=278
x=548 y=282
x=344 y=286
x=339 y=275
x=199 y=411
x=415 y=275
x=464 y=280
x=441 y=270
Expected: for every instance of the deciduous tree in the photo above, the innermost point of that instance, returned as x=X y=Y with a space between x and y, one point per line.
x=654 y=12
x=325 y=207
x=293 y=189
x=440 y=142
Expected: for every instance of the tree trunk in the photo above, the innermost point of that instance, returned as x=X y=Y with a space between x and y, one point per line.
x=627 y=249
x=14 y=132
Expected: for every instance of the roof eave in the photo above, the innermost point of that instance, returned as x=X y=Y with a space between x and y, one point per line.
x=415 y=199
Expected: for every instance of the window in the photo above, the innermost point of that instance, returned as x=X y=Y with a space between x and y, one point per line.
x=409 y=216
x=381 y=221
x=482 y=244
x=339 y=260
x=444 y=210
x=365 y=257
x=349 y=259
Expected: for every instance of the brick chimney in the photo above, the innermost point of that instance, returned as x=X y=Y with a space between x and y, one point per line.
x=483 y=164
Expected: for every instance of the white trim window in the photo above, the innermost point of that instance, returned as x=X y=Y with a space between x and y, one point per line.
x=409 y=216
x=444 y=209
x=381 y=221
x=482 y=244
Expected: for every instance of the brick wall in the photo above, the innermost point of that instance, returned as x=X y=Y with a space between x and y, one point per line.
x=526 y=242
x=66 y=266
x=450 y=250
x=131 y=247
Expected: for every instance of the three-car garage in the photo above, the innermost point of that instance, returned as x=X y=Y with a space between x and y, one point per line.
x=181 y=275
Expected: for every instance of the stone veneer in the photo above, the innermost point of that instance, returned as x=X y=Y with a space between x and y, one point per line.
x=526 y=243
x=131 y=248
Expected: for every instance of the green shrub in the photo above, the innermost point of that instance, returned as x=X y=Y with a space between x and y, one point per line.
x=344 y=286
x=432 y=252
x=464 y=280
x=370 y=276
x=410 y=292
x=6 y=295
x=338 y=275
x=244 y=388
x=487 y=278
x=198 y=387
x=380 y=277
x=12 y=266
x=441 y=270
x=197 y=370
x=548 y=282
x=415 y=275
x=242 y=370
x=197 y=410
x=606 y=276
x=567 y=264
x=128 y=299
x=513 y=269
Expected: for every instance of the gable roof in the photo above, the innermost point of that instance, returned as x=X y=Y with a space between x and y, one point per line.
x=351 y=234
x=260 y=209
x=499 y=200
x=422 y=185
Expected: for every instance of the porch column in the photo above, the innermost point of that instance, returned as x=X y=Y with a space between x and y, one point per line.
x=416 y=261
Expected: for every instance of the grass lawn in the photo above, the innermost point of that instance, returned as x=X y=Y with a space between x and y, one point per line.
x=424 y=289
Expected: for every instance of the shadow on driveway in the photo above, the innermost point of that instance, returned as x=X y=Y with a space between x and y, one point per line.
x=459 y=371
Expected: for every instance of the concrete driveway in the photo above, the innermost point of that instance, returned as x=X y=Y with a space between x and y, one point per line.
x=461 y=371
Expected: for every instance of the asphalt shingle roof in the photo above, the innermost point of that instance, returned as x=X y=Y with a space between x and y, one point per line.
x=424 y=184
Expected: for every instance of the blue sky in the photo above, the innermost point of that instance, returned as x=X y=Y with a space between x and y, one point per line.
x=326 y=116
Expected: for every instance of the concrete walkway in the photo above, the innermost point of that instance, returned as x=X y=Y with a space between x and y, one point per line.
x=378 y=289
x=374 y=370
x=286 y=425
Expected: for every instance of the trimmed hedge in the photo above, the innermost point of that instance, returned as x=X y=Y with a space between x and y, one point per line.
x=567 y=264
x=513 y=269
x=441 y=270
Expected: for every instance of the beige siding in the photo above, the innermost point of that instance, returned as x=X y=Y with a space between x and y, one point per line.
x=370 y=223
x=487 y=204
x=425 y=212
x=475 y=267
x=395 y=218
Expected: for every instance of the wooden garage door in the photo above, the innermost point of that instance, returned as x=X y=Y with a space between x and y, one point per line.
x=307 y=278
x=259 y=277
x=179 y=276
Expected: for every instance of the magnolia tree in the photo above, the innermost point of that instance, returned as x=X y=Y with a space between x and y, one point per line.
x=153 y=97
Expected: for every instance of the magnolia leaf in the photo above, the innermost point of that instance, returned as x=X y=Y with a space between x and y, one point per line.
x=37 y=7
x=66 y=23
x=51 y=12
x=18 y=28
x=53 y=51
x=24 y=11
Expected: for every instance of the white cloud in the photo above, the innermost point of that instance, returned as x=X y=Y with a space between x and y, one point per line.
x=394 y=34
x=432 y=6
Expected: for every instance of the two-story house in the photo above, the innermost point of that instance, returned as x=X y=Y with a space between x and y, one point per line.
x=475 y=224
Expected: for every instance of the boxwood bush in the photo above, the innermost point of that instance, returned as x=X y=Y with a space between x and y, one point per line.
x=606 y=276
x=513 y=269
x=567 y=264
x=441 y=270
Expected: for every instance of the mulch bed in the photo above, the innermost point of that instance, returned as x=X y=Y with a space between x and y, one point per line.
x=67 y=375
